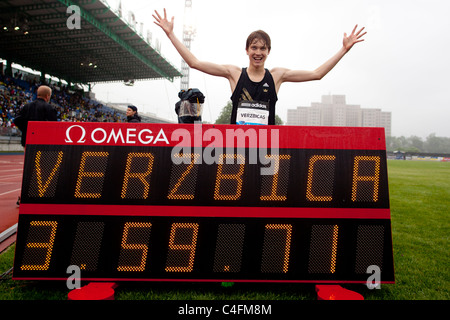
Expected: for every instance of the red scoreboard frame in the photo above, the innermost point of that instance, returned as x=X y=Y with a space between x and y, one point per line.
x=165 y=202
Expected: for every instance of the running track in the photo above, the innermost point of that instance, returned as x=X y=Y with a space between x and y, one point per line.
x=11 y=168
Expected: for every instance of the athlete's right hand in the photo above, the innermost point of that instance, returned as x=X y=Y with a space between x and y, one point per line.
x=165 y=24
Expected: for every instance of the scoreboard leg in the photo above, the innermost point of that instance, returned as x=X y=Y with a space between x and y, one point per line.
x=336 y=292
x=94 y=291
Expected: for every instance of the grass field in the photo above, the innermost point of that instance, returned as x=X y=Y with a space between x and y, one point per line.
x=420 y=202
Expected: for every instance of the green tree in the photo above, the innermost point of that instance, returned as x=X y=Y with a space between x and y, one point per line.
x=225 y=114
x=278 y=120
x=415 y=144
x=435 y=144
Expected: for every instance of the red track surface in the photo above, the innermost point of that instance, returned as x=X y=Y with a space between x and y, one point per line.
x=11 y=168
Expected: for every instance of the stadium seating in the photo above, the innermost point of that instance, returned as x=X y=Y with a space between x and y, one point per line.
x=71 y=105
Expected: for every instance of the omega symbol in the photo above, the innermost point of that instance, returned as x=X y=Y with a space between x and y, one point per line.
x=83 y=134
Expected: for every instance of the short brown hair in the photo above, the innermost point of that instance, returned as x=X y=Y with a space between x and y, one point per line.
x=258 y=35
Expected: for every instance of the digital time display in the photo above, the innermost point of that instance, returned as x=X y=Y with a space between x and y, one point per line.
x=155 y=202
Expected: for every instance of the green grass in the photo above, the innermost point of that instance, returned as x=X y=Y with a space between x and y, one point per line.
x=420 y=202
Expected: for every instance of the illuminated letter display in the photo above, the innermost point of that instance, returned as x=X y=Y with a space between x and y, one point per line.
x=303 y=204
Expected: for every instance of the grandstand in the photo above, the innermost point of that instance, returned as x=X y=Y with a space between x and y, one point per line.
x=106 y=47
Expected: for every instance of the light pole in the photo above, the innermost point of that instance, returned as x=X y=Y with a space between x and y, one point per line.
x=188 y=35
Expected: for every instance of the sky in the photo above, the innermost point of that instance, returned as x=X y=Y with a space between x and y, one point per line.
x=402 y=67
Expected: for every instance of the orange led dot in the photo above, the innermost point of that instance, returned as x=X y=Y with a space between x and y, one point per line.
x=357 y=178
x=334 y=248
x=89 y=174
x=229 y=182
x=181 y=231
x=39 y=245
x=143 y=247
x=323 y=249
x=173 y=193
x=142 y=177
x=268 y=241
x=274 y=196
x=42 y=186
x=312 y=161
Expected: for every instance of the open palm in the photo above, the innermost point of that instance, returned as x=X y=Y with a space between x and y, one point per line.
x=353 y=38
x=165 y=24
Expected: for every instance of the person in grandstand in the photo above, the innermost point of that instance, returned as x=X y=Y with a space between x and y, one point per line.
x=254 y=89
x=38 y=110
x=132 y=114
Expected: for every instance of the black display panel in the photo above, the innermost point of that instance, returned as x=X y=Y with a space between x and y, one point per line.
x=310 y=207
x=158 y=248
x=147 y=176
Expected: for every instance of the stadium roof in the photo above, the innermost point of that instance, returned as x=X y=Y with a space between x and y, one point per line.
x=44 y=42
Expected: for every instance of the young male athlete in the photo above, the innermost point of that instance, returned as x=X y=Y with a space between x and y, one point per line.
x=255 y=88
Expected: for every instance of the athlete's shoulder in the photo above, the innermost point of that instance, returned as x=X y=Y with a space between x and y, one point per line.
x=277 y=71
x=234 y=72
x=278 y=75
x=233 y=68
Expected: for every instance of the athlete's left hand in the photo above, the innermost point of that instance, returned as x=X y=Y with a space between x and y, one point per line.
x=350 y=40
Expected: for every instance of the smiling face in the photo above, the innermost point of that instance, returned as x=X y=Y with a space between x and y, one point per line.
x=258 y=48
x=257 y=53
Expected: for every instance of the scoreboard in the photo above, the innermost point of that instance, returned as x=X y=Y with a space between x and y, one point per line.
x=164 y=202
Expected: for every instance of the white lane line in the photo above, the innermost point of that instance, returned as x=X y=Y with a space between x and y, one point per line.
x=8 y=233
x=12 y=176
x=11 y=191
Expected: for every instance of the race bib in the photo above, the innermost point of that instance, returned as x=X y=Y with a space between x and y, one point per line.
x=252 y=113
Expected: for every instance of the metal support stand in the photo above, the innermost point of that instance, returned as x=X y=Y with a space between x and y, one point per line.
x=336 y=292
x=94 y=291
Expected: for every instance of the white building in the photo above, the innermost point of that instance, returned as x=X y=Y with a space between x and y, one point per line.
x=334 y=111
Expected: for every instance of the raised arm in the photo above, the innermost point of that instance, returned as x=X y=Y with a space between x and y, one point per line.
x=227 y=71
x=286 y=75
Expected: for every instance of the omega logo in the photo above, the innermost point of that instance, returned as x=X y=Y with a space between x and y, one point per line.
x=115 y=135
x=83 y=134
